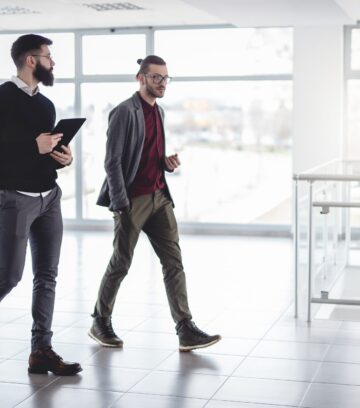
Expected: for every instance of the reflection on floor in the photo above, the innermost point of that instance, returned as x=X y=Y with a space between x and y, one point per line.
x=239 y=287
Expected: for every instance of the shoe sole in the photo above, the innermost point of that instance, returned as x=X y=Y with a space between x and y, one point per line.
x=198 y=346
x=45 y=371
x=104 y=344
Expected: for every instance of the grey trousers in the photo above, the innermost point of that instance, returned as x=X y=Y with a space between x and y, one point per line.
x=38 y=220
x=153 y=214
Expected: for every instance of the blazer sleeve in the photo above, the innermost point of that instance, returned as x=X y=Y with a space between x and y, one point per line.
x=116 y=139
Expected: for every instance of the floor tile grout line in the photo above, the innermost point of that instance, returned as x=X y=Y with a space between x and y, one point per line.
x=318 y=368
x=260 y=340
x=253 y=348
x=152 y=370
x=36 y=392
x=162 y=395
x=260 y=404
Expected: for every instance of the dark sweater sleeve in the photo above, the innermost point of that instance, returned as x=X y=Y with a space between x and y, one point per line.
x=12 y=148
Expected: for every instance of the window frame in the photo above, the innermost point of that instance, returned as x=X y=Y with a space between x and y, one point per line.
x=79 y=78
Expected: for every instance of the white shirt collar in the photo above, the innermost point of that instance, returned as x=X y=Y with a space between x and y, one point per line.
x=24 y=86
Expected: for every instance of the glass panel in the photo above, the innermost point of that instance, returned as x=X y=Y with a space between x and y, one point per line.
x=112 y=54
x=231 y=51
x=234 y=142
x=353 y=145
x=352 y=148
x=62 y=95
x=97 y=101
x=355 y=49
x=62 y=51
x=7 y=67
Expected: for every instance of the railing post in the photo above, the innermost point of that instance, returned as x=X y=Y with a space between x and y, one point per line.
x=296 y=244
x=310 y=250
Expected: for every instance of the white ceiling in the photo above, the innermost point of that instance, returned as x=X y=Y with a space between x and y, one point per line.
x=36 y=15
x=255 y=13
x=66 y=14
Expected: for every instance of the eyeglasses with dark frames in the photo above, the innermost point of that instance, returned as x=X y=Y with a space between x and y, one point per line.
x=49 y=57
x=157 y=78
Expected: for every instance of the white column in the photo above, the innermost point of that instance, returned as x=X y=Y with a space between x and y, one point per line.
x=318 y=95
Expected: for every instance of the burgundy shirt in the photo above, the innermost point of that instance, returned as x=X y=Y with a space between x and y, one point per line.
x=150 y=174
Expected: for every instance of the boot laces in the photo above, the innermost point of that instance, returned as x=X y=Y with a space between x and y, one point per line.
x=106 y=327
x=51 y=353
x=197 y=330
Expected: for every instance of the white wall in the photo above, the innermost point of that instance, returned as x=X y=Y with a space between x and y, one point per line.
x=318 y=95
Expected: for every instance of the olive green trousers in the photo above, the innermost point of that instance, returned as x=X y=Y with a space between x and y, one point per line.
x=153 y=214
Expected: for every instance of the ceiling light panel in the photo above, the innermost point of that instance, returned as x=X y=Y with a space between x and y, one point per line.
x=16 y=10
x=112 y=6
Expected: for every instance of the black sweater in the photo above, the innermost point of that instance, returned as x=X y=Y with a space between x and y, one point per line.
x=22 y=119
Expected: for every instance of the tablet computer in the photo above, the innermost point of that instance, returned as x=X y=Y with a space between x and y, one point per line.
x=69 y=128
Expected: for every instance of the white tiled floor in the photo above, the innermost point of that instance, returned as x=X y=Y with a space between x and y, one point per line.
x=239 y=287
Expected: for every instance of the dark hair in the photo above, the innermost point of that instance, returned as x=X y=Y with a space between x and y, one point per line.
x=26 y=44
x=150 y=59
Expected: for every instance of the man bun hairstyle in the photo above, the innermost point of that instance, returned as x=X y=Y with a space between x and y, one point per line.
x=150 y=59
x=26 y=45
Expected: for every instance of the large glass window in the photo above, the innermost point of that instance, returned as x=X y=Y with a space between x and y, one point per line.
x=234 y=136
x=230 y=51
x=227 y=115
x=112 y=54
x=355 y=49
x=7 y=67
x=352 y=146
x=233 y=139
x=62 y=50
x=352 y=63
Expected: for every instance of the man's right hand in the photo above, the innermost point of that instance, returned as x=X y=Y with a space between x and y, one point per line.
x=46 y=142
x=120 y=211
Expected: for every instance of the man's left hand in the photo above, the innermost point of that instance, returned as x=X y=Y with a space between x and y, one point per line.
x=172 y=162
x=65 y=157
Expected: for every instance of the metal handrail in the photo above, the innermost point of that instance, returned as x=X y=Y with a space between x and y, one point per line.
x=318 y=173
x=340 y=204
x=326 y=177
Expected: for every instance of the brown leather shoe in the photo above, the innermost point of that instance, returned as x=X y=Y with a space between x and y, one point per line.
x=43 y=360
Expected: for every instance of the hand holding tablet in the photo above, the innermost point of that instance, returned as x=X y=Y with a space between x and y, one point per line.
x=69 y=128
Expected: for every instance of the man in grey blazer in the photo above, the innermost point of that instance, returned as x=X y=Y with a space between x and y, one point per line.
x=135 y=190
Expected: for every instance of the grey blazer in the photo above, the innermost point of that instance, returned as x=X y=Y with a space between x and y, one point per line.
x=125 y=140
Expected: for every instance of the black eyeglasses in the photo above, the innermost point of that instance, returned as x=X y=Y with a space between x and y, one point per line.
x=49 y=57
x=157 y=78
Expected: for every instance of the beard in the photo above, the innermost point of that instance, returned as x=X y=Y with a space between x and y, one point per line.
x=155 y=92
x=44 y=75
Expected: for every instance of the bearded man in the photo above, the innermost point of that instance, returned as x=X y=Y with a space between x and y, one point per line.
x=29 y=195
x=135 y=190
